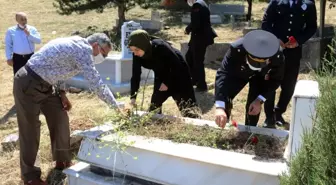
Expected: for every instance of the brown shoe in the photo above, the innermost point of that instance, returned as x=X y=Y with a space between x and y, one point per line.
x=36 y=182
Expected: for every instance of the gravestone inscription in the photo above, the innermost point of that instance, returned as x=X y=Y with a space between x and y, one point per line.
x=126 y=30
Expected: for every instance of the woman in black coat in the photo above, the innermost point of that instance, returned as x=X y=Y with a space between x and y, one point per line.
x=172 y=76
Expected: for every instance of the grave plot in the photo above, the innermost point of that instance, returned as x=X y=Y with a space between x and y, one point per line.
x=184 y=151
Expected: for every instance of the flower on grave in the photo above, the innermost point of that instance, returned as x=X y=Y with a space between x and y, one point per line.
x=53 y=32
x=234 y=123
x=254 y=140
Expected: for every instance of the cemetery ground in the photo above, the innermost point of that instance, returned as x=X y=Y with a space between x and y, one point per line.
x=87 y=109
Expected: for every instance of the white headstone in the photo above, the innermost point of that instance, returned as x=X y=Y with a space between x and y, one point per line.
x=126 y=30
x=155 y=16
x=303 y=114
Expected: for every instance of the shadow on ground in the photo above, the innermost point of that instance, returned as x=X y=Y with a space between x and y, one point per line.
x=56 y=177
x=9 y=114
x=205 y=100
x=213 y=65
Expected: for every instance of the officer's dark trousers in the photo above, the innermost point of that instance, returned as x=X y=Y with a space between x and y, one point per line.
x=235 y=85
x=19 y=61
x=195 y=59
x=292 y=67
x=184 y=98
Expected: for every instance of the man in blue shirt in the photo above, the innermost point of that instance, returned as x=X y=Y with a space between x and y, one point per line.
x=20 y=42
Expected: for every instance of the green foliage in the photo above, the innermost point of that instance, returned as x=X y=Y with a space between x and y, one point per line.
x=314 y=163
x=66 y=7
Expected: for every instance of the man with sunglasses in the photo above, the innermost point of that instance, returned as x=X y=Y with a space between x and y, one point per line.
x=20 y=42
x=37 y=87
x=255 y=59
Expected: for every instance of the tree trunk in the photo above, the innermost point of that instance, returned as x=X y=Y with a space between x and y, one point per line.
x=322 y=17
x=121 y=16
x=249 y=10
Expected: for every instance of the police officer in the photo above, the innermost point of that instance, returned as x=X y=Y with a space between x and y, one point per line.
x=172 y=76
x=255 y=59
x=293 y=22
x=202 y=35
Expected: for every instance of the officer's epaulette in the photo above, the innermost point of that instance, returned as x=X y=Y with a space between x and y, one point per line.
x=237 y=43
x=237 y=46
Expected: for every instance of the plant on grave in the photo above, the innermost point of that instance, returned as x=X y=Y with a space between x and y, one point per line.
x=122 y=122
x=314 y=163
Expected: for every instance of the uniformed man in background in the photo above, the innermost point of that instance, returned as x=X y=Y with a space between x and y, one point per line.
x=293 y=23
x=255 y=59
x=202 y=35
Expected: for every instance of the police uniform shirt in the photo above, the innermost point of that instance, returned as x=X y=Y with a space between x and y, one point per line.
x=235 y=68
x=286 y=18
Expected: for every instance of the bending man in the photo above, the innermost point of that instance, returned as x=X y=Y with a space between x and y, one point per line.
x=255 y=59
x=57 y=61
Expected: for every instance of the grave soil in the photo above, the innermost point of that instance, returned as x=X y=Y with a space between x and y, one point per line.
x=264 y=147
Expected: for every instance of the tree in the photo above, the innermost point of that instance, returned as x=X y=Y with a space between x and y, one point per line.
x=67 y=7
x=323 y=4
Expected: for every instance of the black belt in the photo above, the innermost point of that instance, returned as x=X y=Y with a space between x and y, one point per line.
x=36 y=76
x=24 y=56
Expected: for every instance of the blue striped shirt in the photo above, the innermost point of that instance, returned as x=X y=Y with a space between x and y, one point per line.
x=18 y=42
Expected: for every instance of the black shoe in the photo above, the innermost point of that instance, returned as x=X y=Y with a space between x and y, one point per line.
x=279 y=120
x=269 y=124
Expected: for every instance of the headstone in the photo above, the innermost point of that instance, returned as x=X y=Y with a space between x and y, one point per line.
x=155 y=16
x=303 y=114
x=214 y=19
x=227 y=9
x=126 y=30
x=10 y=142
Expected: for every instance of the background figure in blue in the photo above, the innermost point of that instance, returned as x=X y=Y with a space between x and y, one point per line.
x=20 y=42
x=254 y=59
x=293 y=22
x=202 y=35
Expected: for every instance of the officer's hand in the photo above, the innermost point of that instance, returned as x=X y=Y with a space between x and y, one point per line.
x=10 y=62
x=163 y=87
x=292 y=45
x=283 y=45
x=255 y=107
x=221 y=117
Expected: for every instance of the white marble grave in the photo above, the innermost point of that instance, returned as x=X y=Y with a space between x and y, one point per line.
x=165 y=162
x=116 y=70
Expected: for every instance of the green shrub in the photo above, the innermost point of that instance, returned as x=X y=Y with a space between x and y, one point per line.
x=315 y=162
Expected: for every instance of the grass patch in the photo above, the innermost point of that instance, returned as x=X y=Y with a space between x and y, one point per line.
x=264 y=147
x=314 y=163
